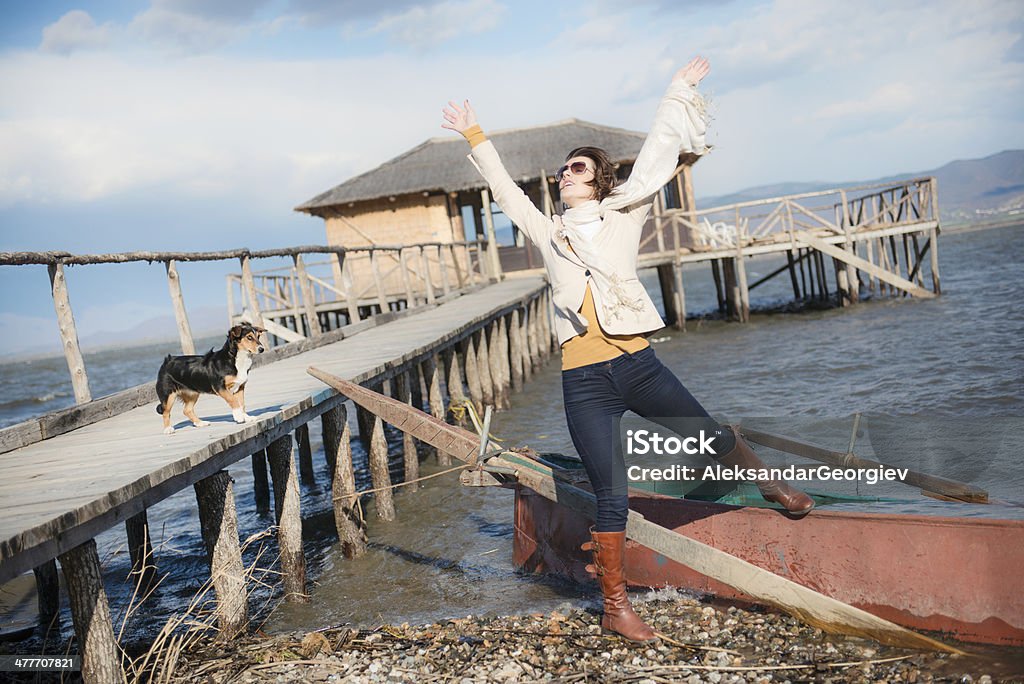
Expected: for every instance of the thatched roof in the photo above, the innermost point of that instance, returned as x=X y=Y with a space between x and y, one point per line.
x=440 y=164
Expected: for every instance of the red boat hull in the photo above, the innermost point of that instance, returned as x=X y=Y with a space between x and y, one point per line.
x=957 y=576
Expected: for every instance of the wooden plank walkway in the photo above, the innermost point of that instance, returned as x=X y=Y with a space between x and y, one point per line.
x=63 y=491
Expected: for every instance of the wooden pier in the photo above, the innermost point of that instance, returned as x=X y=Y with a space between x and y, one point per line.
x=57 y=494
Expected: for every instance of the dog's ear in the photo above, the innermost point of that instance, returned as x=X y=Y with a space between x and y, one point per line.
x=236 y=332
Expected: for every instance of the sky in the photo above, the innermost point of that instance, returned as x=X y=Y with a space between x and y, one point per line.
x=201 y=124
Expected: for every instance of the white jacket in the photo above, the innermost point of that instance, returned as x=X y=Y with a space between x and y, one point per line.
x=679 y=126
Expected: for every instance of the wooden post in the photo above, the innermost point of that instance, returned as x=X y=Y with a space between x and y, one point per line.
x=504 y=367
x=261 y=482
x=544 y=313
x=47 y=593
x=418 y=386
x=524 y=341
x=306 y=471
x=140 y=547
x=382 y=297
x=933 y=240
x=410 y=455
x=432 y=376
x=383 y=498
x=741 y=280
x=309 y=303
x=476 y=392
x=494 y=365
x=219 y=525
x=515 y=348
x=666 y=282
x=460 y=277
x=492 y=240
x=403 y=266
x=680 y=293
x=895 y=257
x=842 y=284
x=180 y=315
x=918 y=259
x=851 y=290
x=289 y=519
x=68 y=333
x=249 y=285
x=453 y=375
x=801 y=258
x=426 y=276
x=533 y=337
x=792 y=275
x=720 y=292
x=869 y=247
x=446 y=287
x=338 y=446
x=732 y=292
x=351 y=298
x=483 y=361
x=101 y=659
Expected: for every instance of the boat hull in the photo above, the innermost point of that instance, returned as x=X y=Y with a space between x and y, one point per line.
x=957 y=576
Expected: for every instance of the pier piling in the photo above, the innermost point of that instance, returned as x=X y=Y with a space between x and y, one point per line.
x=289 y=518
x=101 y=659
x=338 y=443
x=218 y=523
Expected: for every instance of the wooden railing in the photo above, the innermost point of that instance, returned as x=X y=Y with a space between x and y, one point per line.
x=426 y=272
x=840 y=211
x=379 y=277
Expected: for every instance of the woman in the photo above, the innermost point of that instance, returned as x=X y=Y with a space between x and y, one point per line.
x=603 y=314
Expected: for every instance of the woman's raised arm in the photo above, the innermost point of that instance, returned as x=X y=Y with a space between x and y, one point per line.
x=509 y=196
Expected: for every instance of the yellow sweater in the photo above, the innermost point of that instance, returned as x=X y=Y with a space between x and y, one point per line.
x=594 y=345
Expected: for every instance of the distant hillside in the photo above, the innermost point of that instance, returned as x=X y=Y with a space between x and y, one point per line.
x=969 y=189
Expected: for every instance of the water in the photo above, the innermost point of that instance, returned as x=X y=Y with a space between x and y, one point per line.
x=933 y=380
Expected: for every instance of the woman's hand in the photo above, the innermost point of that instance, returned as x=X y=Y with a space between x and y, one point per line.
x=693 y=72
x=458 y=119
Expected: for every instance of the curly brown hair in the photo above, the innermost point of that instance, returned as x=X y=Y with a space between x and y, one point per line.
x=604 y=170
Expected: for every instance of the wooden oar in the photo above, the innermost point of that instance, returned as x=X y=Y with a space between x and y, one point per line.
x=930 y=484
x=806 y=604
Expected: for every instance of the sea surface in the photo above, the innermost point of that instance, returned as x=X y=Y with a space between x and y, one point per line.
x=934 y=385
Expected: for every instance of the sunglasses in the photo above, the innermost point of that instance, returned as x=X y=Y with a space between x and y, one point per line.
x=578 y=168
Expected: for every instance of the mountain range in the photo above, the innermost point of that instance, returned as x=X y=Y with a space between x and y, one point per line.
x=970 y=190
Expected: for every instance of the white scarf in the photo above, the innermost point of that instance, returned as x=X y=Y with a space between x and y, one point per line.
x=681 y=123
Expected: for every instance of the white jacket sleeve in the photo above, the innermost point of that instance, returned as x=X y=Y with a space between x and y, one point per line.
x=679 y=126
x=509 y=196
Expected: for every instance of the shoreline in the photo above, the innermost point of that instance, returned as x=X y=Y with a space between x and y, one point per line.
x=706 y=643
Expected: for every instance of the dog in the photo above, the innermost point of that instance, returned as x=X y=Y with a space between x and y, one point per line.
x=223 y=372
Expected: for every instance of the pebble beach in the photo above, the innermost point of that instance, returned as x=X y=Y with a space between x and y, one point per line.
x=701 y=643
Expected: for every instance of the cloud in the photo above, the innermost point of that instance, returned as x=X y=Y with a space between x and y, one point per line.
x=331 y=12
x=425 y=26
x=76 y=30
x=177 y=26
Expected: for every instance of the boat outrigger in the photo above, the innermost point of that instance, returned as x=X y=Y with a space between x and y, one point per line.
x=865 y=574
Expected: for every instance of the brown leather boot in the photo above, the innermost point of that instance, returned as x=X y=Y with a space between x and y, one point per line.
x=792 y=499
x=609 y=556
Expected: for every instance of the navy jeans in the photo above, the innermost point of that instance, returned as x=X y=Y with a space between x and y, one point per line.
x=596 y=395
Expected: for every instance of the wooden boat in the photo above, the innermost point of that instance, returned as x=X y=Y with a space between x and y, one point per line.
x=956 y=576
x=873 y=575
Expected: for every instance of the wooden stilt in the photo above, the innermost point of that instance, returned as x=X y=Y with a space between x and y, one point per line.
x=418 y=387
x=822 y=276
x=680 y=293
x=364 y=421
x=289 y=519
x=732 y=291
x=842 y=286
x=524 y=342
x=791 y=266
x=101 y=659
x=918 y=258
x=716 y=269
x=219 y=525
x=741 y=283
x=515 y=349
x=453 y=380
x=306 y=471
x=432 y=376
x=260 y=482
x=869 y=248
x=494 y=354
x=666 y=283
x=140 y=547
x=504 y=366
x=484 y=365
x=533 y=337
x=47 y=593
x=544 y=328
x=476 y=393
x=410 y=455
x=801 y=258
x=338 y=444
x=933 y=240
x=383 y=499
